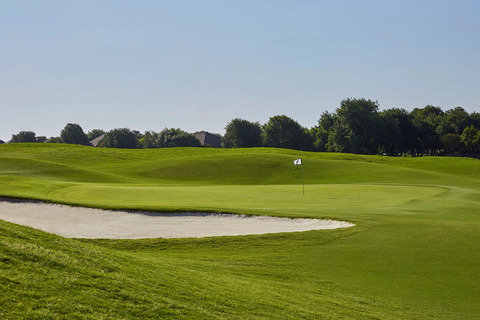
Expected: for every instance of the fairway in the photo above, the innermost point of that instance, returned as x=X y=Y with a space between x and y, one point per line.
x=413 y=252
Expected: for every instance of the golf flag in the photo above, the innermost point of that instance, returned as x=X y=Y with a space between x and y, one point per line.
x=297 y=162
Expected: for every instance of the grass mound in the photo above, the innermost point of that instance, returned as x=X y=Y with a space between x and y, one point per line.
x=45 y=276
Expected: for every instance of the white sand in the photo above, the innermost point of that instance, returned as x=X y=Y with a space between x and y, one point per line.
x=77 y=222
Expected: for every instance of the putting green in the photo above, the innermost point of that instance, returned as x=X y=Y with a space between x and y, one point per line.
x=317 y=197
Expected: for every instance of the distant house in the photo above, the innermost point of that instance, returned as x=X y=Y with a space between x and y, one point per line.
x=53 y=140
x=209 y=139
x=97 y=140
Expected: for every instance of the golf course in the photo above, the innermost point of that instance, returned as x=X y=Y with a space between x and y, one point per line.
x=413 y=252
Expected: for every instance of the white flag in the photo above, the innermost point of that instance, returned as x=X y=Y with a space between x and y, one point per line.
x=297 y=162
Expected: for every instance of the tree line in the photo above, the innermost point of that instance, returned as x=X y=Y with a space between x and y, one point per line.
x=356 y=126
x=116 y=138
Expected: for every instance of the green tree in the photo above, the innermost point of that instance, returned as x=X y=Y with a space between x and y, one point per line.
x=73 y=134
x=24 y=136
x=427 y=119
x=170 y=138
x=468 y=137
x=321 y=132
x=319 y=138
x=338 y=138
x=149 y=140
x=284 y=132
x=356 y=127
x=390 y=137
x=427 y=122
x=242 y=134
x=476 y=141
x=326 y=121
x=454 y=121
x=475 y=119
x=398 y=132
x=432 y=145
x=452 y=142
x=120 y=138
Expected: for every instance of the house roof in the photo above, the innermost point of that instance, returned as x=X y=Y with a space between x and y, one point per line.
x=209 y=138
x=95 y=141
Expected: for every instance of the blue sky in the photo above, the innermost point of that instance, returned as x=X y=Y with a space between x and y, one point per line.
x=196 y=65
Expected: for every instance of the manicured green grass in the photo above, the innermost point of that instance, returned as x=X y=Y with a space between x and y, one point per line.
x=412 y=254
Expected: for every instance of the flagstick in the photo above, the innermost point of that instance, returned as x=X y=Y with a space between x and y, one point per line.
x=299 y=162
x=303 y=182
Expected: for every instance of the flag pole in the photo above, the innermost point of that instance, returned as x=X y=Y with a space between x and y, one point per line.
x=299 y=162
x=303 y=181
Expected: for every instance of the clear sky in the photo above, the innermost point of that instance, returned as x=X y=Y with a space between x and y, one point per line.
x=196 y=65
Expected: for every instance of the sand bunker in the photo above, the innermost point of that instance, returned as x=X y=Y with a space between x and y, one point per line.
x=77 y=222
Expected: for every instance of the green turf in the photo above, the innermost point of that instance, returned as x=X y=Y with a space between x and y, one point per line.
x=412 y=254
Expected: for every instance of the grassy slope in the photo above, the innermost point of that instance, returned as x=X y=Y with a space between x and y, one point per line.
x=413 y=254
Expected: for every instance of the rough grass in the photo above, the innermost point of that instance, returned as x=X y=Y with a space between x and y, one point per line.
x=413 y=253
